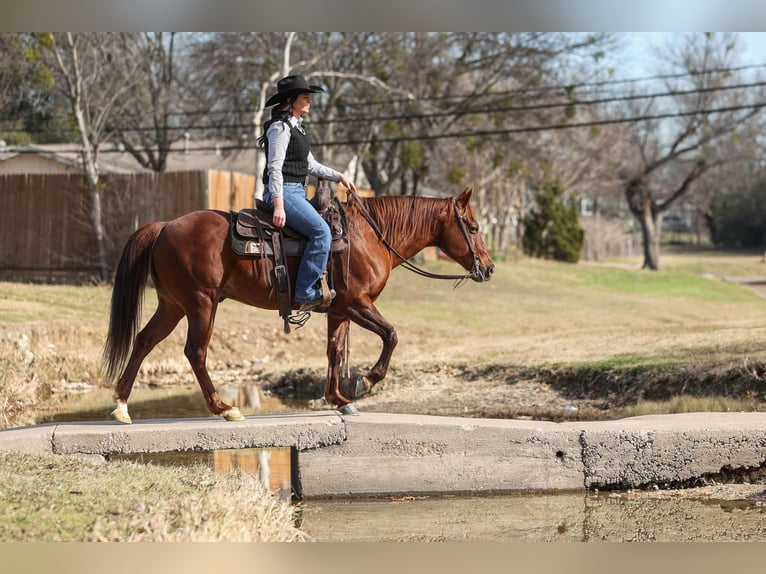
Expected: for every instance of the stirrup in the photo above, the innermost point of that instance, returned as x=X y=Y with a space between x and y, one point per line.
x=319 y=304
x=327 y=294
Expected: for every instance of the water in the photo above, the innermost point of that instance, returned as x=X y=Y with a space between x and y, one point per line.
x=570 y=517
x=272 y=466
x=541 y=517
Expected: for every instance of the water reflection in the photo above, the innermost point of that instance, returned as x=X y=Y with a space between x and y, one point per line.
x=533 y=518
x=272 y=466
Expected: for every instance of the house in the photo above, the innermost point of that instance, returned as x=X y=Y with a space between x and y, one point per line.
x=67 y=159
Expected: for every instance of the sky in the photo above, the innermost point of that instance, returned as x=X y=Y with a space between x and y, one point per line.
x=641 y=50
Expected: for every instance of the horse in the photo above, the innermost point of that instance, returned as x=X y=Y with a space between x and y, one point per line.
x=193 y=268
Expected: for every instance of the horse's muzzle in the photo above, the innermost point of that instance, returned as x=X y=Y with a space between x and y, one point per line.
x=481 y=273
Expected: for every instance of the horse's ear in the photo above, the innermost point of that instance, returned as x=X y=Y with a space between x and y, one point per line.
x=465 y=197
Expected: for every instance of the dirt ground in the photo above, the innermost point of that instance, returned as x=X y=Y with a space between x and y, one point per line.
x=576 y=362
x=291 y=368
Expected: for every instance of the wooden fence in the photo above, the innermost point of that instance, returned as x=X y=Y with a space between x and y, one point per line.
x=45 y=229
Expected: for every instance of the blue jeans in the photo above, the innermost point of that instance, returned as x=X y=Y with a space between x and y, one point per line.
x=303 y=217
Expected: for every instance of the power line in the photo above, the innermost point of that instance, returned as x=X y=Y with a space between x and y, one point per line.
x=496 y=132
x=551 y=127
x=568 y=88
x=550 y=105
x=461 y=113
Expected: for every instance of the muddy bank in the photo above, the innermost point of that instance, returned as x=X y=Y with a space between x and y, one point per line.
x=547 y=393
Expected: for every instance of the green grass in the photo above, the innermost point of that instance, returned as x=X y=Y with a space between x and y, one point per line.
x=28 y=303
x=534 y=296
x=665 y=285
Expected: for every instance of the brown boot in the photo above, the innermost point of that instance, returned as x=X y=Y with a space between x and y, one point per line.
x=320 y=304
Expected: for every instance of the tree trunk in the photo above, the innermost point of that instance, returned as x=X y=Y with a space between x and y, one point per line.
x=92 y=177
x=96 y=216
x=651 y=223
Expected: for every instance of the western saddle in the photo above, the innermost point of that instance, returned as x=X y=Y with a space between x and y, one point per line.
x=253 y=234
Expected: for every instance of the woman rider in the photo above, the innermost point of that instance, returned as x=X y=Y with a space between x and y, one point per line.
x=288 y=163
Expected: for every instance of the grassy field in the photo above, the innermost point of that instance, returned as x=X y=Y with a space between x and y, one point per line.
x=619 y=334
x=605 y=338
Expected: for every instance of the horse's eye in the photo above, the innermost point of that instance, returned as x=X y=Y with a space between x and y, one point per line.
x=473 y=229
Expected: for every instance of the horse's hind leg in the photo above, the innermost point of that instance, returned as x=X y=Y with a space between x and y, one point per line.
x=201 y=319
x=337 y=330
x=162 y=323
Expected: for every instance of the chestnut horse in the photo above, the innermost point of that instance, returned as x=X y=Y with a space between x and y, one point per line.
x=193 y=268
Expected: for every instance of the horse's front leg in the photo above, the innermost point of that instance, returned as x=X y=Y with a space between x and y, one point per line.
x=368 y=317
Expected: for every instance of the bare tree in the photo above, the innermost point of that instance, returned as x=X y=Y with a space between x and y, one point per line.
x=673 y=153
x=472 y=83
x=240 y=71
x=249 y=66
x=158 y=102
x=84 y=67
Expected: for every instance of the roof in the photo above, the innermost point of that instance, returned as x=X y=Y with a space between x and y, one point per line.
x=199 y=156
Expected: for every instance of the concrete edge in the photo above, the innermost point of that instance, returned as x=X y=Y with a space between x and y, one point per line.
x=376 y=453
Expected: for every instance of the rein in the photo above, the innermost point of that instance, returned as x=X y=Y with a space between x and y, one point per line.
x=407 y=264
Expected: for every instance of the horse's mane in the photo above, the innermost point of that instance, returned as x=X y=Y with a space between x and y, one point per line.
x=403 y=217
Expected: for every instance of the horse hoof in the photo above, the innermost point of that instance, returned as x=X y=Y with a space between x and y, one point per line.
x=349 y=410
x=362 y=387
x=120 y=414
x=233 y=414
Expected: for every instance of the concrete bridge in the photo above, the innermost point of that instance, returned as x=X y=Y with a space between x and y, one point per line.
x=374 y=453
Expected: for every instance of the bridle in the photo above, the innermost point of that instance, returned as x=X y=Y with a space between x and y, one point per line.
x=475 y=271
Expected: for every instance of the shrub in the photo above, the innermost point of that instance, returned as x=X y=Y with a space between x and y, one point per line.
x=552 y=230
x=739 y=219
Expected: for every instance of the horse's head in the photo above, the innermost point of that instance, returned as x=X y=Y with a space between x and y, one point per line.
x=461 y=240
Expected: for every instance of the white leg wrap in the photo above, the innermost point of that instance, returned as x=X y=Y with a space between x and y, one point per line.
x=121 y=413
x=233 y=414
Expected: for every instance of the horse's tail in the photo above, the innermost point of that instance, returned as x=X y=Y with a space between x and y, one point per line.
x=128 y=294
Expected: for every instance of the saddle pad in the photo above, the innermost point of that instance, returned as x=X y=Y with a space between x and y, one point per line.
x=262 y=246
x=252 y=222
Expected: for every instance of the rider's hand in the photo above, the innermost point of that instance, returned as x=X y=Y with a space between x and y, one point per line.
x=347 y=183
x=279 y=219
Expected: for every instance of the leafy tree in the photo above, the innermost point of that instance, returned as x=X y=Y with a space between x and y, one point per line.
x=552 y=230
x=29 y=113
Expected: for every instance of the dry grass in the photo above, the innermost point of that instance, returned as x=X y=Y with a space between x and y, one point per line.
x=593 y=317
x=58 y=498
x=537 y=337
x=688 y=404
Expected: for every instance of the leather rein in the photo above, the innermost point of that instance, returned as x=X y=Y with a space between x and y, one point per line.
x=475 y=270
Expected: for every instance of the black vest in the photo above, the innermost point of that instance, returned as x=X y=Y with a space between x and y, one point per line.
x=295 y=168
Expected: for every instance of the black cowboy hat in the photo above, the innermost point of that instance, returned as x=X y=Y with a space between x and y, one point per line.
x=291 y=86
